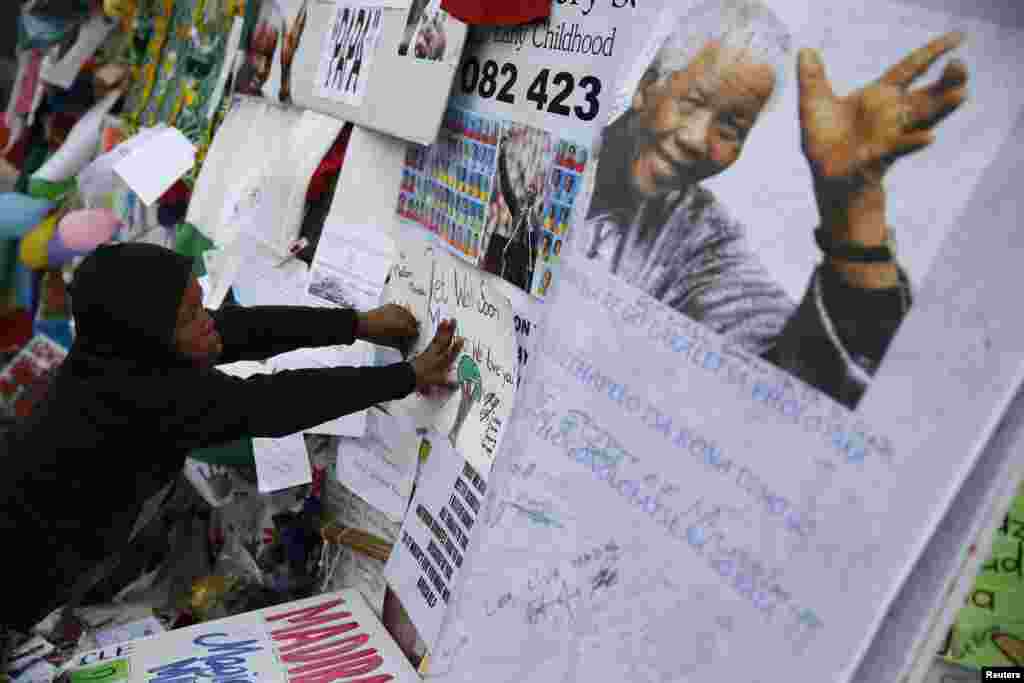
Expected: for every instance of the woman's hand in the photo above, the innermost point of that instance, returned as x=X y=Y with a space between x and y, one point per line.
x=389 y=325
x=433 y=365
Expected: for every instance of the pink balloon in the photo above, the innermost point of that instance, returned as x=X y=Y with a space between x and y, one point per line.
x=86 y=229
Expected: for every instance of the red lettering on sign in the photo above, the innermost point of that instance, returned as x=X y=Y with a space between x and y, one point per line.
x=307 y=612
x=313 y=635
x=345 y=659
x=331 y=649
x=328 y=675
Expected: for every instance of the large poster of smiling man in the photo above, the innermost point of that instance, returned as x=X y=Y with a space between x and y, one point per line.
x=759 y=175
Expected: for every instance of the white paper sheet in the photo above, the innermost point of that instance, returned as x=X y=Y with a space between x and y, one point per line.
x=424 y=568
x=434 y=286
x=351 y=264
x=263 y=278
x=263 y=150
x=346 y=508
x=143 y=628
x=156 y=164
x=369 y=466
x=98 y=178
x=381 y=105
x=356 y=355
x=281 y=463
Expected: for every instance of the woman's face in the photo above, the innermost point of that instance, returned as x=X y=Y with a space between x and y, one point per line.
x=195 y=335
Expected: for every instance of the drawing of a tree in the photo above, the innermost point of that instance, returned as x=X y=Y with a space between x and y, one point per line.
x=471 y=388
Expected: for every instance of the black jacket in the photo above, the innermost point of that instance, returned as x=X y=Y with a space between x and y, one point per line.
x=124 y=410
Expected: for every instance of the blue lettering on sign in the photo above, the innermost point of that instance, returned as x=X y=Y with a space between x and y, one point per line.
x=224 y=664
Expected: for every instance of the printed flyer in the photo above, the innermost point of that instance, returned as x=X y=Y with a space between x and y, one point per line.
x=502 y=183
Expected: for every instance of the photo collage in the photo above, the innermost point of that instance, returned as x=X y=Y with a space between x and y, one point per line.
x=499 y=194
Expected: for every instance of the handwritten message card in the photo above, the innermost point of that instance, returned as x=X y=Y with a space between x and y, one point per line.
x=434 y=286
x=281 y=463
x=368 y=467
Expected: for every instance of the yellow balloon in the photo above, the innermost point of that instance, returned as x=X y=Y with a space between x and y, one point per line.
x=32 y=250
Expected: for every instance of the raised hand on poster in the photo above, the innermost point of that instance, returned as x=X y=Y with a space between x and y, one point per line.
x=433 y=366
x=850 y=142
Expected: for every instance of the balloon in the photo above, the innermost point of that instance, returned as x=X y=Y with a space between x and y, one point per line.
x=46 y=189
x=33 y=248
x=86 y=229
x=80 y=146
x=19 y=213
x=58 y=253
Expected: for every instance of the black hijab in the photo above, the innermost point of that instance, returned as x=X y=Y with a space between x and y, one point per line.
x=125 y=300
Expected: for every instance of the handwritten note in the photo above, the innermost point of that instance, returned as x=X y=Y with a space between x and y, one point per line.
x=261 y=279
x=344 y=507
x=351 y=264
x=367 y=467
x=433 y=285
x=281 y=463
x=424 y=568
x=157 y=164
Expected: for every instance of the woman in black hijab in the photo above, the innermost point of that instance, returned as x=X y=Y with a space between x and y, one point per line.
x=138 y=391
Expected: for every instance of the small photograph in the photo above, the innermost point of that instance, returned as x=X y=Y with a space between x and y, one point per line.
x=545 y=283
x=547 y=247
x=259 y=53
x=513 y=233
x=324 y=285
x=425 y=34
x=348 y=52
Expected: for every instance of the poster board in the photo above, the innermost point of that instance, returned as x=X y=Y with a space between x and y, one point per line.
x=370 y=61
x=434 y=286
x=503 y=183
x=333 y=636
x=856 y=484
